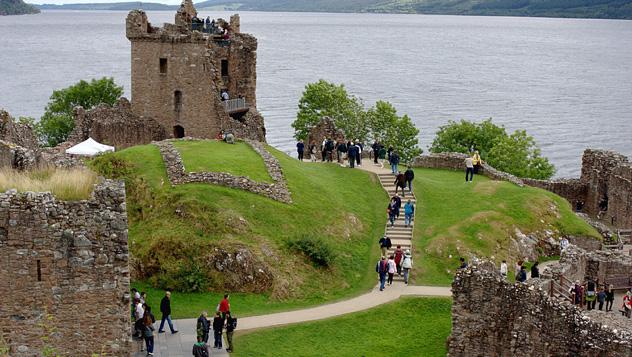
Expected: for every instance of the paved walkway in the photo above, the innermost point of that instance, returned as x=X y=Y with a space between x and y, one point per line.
x=181 y=344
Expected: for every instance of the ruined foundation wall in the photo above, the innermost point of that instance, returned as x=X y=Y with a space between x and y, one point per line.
x=324 y=129
x=64 y=272
x=601 y=265
x=492 y=317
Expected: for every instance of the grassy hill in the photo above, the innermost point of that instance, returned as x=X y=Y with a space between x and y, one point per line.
x=16 y=7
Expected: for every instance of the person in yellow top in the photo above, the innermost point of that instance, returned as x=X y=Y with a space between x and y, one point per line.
x=476 y=160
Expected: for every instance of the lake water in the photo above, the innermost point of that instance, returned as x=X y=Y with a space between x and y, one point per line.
x=567 y=81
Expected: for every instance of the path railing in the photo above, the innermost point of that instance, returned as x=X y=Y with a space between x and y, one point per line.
x=235 y=105
x=559 y=288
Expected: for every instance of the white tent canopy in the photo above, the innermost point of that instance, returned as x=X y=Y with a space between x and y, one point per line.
x=89 y=148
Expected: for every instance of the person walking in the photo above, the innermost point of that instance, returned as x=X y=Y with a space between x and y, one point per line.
x=409 y=212
x=203 y=326
x=392 y=211
x=381 y=156
x=564 y=243
x=576 y=293
x=591 y=294
x=601 y=298
x=382 y=269
x=359 y=155
x=609 y=298
x=224 y=306
x=329 y=149
x=399 y=254
x=385 y=245
x=394 y=161
x=341 y=149
x=231 y=325
x=323 y=150
x=200 y=349
x=398 y=205
x=463 y=263
x=469 y=169
x=392 y=268
x=407 y=264
x=352 y=151
x=522 y=275
x=400 y=182
x=503 y=269
x=476 y=160
x=312 y=152
x=218 y=326
x=376 y=150
x=139 y=313
x=148 y=331
x=627 y=304
x=165 y=309
x=300 y=149
x=535 y=271
x=410 y=176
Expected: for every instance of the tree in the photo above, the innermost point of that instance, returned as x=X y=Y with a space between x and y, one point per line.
x=57 y=121
x=461 y=136
x=394 y=131
x=322 y=99
x=519 y=155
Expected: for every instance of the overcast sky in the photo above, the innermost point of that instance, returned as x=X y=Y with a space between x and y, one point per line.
x=60 y=2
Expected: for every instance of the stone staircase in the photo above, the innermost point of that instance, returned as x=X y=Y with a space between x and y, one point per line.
x=398 y=233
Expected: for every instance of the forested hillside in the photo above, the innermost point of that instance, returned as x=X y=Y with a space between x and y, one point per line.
x=16 y=7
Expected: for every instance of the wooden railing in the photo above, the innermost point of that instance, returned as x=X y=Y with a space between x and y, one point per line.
x=235 y=105
x=559 y=288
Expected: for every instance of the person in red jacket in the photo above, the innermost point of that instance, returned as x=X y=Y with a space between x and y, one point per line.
x=224 y=307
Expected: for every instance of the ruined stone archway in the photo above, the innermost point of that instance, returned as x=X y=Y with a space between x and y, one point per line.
x=178 y=132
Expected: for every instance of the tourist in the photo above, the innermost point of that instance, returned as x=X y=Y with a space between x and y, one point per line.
x=224 y=306
x=225 y=95
x=143 y=297
x=352 y=151
x=410 y=176
x=312 y=152
x=627 y=303
x=329 y=149
x=517 y=269
x=400 y=182
x=208 y=22
x=376 y=150
x=392 y=268
x=381 y=156
x=391 y=210
x=389 y=152
x=135 y=294
x=469 y=169
x=409 y=212
x=463 y=263
x=591 y=294
x=476 y=160
x=300 y=148
x=576 y=293
x=609 y=298
x=564 y=244
x=229 y=138
x=148 y=330
x=139 y=313
x=165 y=309
x=359 y=154
x=503 y=269
x=522 y=276
x=200 y=349
x=399 y=254
x=218 y=325
x=385 y=244
x=398 y=204
x=535 y=271
x=394 y=161
x=231 y=325
x=203 y=326
x=323 y=150
x=220 y=135
x=341 y=150
x=382 y=269
x=601 y=298
x=407 y=264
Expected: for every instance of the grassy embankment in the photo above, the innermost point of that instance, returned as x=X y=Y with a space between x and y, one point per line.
x=64 y=184
x=459 y=219
x=344 y=207
x=407 y=327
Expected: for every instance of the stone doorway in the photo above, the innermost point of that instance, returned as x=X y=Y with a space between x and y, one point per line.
x=178 y=132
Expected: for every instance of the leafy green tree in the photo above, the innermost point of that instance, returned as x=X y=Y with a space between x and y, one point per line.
x=57 y=121
x=461 y=136
x=322 y=99
x=394 y=131
x=519 y=155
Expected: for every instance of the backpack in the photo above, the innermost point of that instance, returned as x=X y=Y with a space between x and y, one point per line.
x=406 y=263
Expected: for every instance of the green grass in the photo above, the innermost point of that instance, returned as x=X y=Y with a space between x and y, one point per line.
x=458 y=219
x=407 y=327
x=172 y=226
x=238 y=159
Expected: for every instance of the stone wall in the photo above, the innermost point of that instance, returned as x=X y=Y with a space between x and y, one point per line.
x=492 y=317
x=64 y=273
x=117 y=126
x=606 y=177
x=324 y=129
x=18 y=134
x=177 y=77
x=177 y=173
x=19 y=148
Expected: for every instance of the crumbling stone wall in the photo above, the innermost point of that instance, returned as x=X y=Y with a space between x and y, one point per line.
x=64 y=273
x=324 y=129
x=19 y=148
x=492 y=317
x=115 y=125
x=177 y=76
x=18 y=134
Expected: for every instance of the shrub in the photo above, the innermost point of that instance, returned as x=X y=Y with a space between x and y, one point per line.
x=111 y=166
x=65 y=184
x=315 y=248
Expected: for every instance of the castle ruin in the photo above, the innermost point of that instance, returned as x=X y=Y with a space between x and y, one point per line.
x=195 y=79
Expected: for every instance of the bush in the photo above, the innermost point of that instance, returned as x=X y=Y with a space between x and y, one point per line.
x=111 y=166
x=315 y=248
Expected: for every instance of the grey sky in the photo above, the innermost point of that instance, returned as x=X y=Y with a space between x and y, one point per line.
x=60 y=2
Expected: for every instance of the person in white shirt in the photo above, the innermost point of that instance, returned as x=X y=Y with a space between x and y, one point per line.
x=564 y=243
x=469 y=169
x=392 y=268
x=503 y=269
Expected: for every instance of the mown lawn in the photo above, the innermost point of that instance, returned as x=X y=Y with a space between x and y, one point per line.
x=457 y=219
x=238 y=159
x=343 y=207
x=408 y=327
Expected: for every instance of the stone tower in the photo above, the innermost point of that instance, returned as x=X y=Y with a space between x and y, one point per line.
x=180 y=71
